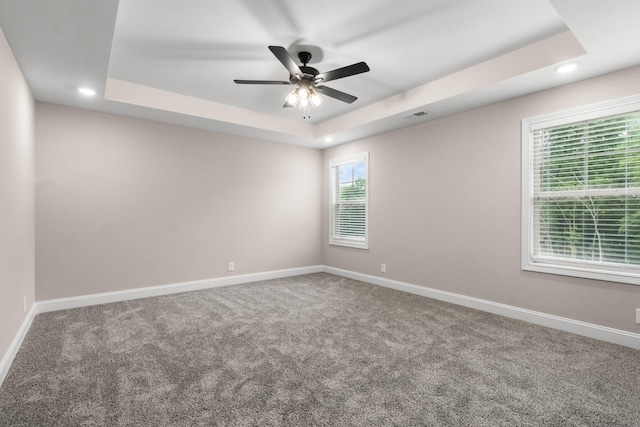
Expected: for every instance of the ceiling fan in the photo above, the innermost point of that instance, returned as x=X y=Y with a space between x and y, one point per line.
x=309 y=80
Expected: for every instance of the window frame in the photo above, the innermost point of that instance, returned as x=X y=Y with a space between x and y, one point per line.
x=612 y=273
x=336 y=240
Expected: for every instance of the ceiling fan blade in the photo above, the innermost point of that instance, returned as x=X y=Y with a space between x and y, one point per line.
x=286 y=59
x=339 y=73
x=261 y=82
x=341 y=96
x=287 y=105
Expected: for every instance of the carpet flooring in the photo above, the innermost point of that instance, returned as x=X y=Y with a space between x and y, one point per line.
x=312 y=350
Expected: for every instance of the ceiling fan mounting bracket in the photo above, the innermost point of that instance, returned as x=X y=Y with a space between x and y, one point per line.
x=304 y=57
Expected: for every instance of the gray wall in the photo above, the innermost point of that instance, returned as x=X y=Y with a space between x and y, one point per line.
x=16 y=197
x=124 y=203
x=445 y=209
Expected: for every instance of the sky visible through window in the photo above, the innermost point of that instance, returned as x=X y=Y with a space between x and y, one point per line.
x=349 y=173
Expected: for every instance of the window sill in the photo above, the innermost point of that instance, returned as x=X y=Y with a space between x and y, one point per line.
x=349 y=244
x=585 y=272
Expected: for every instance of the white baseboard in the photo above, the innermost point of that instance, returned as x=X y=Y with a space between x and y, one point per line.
x=616 y=336
x=152 y=291
x=603 y=333
x=8 y=357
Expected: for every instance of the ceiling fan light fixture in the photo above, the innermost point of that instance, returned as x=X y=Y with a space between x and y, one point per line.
x=304 y=97
x=315 y=99
x=306 y=79
x=303 y=92
x=292 y=98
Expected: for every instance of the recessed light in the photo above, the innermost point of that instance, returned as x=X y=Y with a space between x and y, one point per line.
x=566 y=68
x=328 y=139
x=87 y=91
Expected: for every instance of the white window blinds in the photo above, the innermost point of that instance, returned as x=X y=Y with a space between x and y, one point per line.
x=349 y=215
x=583 y=202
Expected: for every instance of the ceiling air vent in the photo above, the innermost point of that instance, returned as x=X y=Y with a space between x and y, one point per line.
x=416 y=115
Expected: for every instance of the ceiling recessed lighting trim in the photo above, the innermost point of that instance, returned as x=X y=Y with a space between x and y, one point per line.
x=328 y=139
x=87 y=91
x=566 y=67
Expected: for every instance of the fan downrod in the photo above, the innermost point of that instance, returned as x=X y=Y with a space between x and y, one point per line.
x=305 y=57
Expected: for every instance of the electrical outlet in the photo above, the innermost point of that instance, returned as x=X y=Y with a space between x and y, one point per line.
x=231 y=266
x=383 y=268
x=24 y=304
x=638 y=316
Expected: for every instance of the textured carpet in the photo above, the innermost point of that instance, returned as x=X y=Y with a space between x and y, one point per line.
x=311 y=350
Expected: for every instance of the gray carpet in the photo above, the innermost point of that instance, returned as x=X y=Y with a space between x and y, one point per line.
x=311 y=350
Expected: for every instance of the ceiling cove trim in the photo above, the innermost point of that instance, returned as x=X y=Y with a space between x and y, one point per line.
x=541 y=54
x=538 y=55
x=145 y=96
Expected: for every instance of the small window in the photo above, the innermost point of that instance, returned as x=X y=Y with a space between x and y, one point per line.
x=581 y=192
x=349 y=217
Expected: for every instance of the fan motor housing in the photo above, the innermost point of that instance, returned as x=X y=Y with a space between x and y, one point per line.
x=308 y=72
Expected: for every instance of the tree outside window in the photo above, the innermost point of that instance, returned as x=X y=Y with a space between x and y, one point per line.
x=581 y=204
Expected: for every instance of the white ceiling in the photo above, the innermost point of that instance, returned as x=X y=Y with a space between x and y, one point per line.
x=175 y=61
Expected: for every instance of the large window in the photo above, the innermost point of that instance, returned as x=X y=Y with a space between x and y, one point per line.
x=581 y=192
x=349 y=217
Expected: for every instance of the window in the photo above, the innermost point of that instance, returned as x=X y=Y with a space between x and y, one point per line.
x=349 y=217
x=581 y=192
